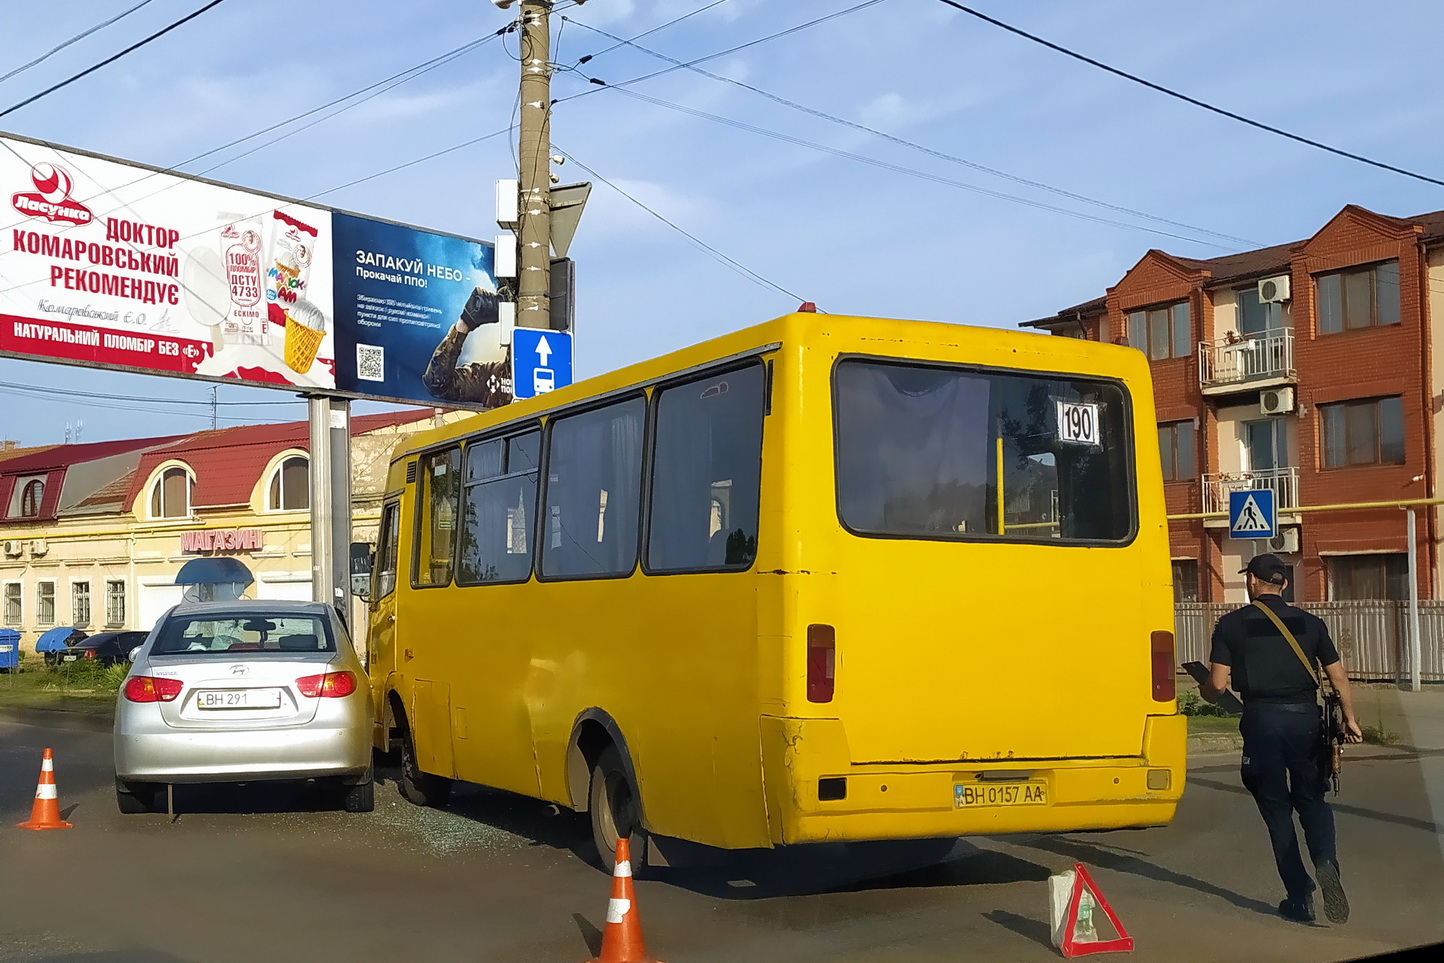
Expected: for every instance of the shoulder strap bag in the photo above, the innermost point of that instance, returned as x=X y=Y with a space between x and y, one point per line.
x=1332 y=711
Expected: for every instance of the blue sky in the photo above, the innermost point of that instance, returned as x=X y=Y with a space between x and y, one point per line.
x=854 y=237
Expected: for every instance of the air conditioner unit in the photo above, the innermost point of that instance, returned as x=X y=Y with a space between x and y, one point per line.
x=1286 y=542
x=38 y=546
x=1276 y=401
x=1274 y=289
x=13 y=546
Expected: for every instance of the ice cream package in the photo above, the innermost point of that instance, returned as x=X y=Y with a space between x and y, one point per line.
x=240 y=250
x=289 y=257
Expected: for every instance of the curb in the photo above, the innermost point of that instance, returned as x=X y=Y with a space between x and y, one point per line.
x=96 y=721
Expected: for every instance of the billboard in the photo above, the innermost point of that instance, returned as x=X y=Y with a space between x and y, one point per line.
x=117 y=265
x=103 y=263
x=417 y=312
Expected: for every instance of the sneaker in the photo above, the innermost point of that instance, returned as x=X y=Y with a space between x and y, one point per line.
x=1298 y=910
x=1336 y=904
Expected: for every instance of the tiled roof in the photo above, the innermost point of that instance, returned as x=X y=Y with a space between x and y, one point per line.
x=227 y=462
x=108 y=498
x=63 y=456
x=1247 y=264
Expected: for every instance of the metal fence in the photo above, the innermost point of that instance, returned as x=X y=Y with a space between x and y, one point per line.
x=1372 y=636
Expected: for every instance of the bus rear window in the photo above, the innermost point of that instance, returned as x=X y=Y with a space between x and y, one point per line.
x=937 y=452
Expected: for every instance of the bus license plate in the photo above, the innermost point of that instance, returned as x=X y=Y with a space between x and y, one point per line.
x=239 y=699
x=1031 y=793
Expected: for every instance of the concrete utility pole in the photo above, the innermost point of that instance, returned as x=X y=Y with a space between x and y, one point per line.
x=533 y=302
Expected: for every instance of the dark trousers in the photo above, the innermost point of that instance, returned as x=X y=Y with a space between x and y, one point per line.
x=1285 y=768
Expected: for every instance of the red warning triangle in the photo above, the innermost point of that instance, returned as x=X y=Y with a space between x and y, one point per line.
x=1070 y=946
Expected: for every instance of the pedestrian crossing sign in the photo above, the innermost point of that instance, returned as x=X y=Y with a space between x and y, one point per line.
x=1251 y=513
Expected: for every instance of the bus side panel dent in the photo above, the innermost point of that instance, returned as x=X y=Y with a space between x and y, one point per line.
x=1165 y=746
x=795 y=752
x=431 y=728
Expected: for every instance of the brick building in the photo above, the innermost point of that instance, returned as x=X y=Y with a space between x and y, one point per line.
x=1309 y=368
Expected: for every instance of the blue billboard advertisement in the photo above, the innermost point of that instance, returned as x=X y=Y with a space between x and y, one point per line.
x=416 y=316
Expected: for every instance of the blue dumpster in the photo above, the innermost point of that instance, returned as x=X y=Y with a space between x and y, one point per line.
x=9 y=650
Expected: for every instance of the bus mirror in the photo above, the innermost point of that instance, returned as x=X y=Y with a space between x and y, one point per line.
x=361 y=587
x=362 y=558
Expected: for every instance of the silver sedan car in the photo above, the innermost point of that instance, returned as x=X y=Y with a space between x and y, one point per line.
x=244 y=691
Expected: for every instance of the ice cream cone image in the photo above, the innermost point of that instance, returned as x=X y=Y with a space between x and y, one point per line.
x=305 y=329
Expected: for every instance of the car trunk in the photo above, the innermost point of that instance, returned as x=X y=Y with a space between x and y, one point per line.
x=229 y=693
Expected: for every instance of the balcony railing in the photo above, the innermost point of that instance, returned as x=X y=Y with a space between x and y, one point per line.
x=1283 y=482
x=1231 y=361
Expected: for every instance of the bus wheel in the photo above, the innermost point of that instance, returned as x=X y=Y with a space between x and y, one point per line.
x=419 y=787
x=613 y=806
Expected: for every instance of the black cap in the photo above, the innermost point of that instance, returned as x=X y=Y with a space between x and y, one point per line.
x=1268 y=567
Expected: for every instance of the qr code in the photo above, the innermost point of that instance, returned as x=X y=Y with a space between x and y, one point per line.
x=370 y=362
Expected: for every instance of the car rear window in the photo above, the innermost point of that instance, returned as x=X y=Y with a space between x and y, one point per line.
x=222 y=632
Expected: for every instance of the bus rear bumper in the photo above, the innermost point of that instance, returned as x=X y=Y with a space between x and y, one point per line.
x=813 y=798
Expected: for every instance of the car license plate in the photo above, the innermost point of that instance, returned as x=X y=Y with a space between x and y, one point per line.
x=69 y=658
x=1034 y=792
x=239 y=699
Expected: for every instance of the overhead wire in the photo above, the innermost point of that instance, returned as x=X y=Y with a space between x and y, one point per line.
x=950 y=158
x=1168 y=91
x=75 y=39
x=730 y=262
x=112 y=58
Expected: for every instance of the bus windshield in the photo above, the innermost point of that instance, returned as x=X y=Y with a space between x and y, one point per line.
x=948 y=452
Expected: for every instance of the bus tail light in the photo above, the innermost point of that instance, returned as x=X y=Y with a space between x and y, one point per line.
x=821 y=662
x=330 y=685
x=144 y=688
x=1164 y=681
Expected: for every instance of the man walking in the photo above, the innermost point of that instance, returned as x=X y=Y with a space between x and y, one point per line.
x=1285 y=754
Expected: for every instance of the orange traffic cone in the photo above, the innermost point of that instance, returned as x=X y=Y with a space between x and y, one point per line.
x=45 y=814
x=622 y=937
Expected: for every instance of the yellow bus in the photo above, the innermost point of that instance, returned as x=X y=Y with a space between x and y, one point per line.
x=826 y=578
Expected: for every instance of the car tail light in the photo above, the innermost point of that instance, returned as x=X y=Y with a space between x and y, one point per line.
x=331 y=685
x=144 y=688
x=1164 y=681
x=90 y=653
x=821 y=662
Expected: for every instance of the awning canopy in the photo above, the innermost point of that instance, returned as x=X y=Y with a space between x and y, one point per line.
x=214 y=570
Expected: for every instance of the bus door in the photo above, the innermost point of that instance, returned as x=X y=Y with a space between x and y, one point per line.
x=381 y=619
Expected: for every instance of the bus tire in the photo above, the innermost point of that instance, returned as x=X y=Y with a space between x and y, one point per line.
x=615 y=810
x=416 y=786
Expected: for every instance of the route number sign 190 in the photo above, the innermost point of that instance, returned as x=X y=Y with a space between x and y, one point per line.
x=1078 y=423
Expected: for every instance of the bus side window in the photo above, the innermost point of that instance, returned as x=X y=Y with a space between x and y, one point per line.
x=594 y=488
x=706 y=475
x=386 y=552
x=499 y=510
x=438 y=488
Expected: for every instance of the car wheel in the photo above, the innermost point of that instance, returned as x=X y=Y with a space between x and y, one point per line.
x=421 y=788
x=134 y=798
x=359 y=797
x=615 y=811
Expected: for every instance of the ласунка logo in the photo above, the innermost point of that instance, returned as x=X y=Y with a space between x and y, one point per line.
x=51 y=197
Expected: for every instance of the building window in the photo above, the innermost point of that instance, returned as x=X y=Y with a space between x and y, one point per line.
x=1363 y=433
x=171 y=496
x=1185 y=580
x=290 y=489
x=1177 y=447
x=27 y=497
x=1368 y=577
x=45 y=603
x=115 y=602
x=1257 y=318
x=12 y=603
x=1359 y=298
x=30 y=498
x=1165 y=332
x=80 y=604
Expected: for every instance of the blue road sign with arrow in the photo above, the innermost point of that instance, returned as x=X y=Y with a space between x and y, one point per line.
x=541 y=361
x=1251 y=513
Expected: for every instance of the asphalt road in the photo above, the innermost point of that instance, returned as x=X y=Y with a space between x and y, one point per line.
x=262 y=872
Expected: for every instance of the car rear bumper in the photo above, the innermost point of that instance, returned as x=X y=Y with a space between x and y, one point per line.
x=200 y=755
x=919 y=800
